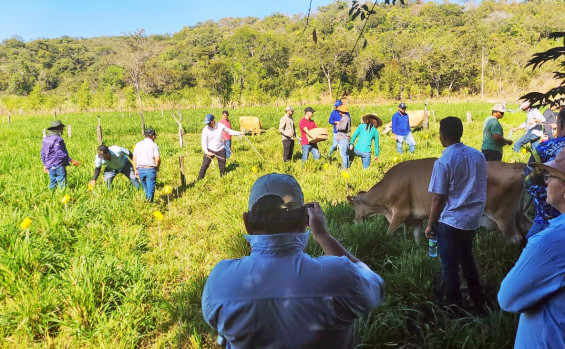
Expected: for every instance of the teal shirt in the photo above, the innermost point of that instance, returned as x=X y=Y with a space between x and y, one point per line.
x=492 y=126
x=365 y=139
x=118 y=158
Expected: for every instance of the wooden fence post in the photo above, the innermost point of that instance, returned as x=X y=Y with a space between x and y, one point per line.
x=426 y=117
x=434 y=115
x=9 y=118
x=54 y=114
x=99 y=132
x=69 y=131
x=469 y=119
x=181 y=131
x=181 y=171
x=44 y=134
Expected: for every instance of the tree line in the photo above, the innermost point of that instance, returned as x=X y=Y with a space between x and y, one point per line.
x=412 y=51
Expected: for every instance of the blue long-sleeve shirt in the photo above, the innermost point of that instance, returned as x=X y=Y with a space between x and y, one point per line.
x=54 y=152
x=365 y=139
x=535 y=287
x=400 y=124
x=335 y=116
x=280 y=297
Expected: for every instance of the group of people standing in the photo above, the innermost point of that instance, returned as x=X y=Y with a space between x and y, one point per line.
x=365 y=136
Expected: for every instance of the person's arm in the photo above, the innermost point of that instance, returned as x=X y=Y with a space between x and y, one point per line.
x=501 y=139
x=319 y=228
x=205 y=142
x=439 y=185
x=307 y=132
x=356 y=134
x=534 y=277
x=282 y=126
x=394 y=126
x=377 y=148
x=156 y=157
x=97 y=168
x=134 y=164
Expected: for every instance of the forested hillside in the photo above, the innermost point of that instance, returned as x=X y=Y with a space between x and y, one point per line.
x=416 y=51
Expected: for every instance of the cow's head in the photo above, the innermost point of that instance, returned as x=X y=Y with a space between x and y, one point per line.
x=359 y=206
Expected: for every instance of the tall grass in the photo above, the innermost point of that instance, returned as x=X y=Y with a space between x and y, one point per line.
x=91 y=273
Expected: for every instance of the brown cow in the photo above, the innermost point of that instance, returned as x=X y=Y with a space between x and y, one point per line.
x=402 y=197
x=250 y=124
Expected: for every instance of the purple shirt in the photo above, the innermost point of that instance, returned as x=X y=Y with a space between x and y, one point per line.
x=54 y=152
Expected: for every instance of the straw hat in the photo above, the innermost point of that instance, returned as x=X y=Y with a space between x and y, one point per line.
x=343 y=108
x=555 y=167
x=374 y=116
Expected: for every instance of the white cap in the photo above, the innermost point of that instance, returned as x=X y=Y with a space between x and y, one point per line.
x=289 y=108
x=499 y=107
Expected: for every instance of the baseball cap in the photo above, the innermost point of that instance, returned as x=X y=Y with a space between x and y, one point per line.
x=309 y=109
x=208 y=118
x=276 y=184
x=338 y=103
x=150 y=132
x=499 y=108
x=103 y=150
x=402 y=106
x=555 y=167
x=289 y=108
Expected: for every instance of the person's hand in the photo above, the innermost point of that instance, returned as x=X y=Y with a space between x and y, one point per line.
x=376 y=158
x=92 y=183
x=394 y=136
x=429 y=232
x=317 y=220
x=351 y=147
x=75 y=163
x=210 y=154
x=136 y=173
x=509 y=142
x=45 y=170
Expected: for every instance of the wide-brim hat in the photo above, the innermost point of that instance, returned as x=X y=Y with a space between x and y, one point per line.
x=55 y=124
x=366 y=117
x=343 y=108
x=555 y=167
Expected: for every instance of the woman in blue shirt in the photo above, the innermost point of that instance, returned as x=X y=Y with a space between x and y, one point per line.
x=366 y=132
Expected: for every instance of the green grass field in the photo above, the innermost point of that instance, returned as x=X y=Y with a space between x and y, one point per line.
x=92 y=274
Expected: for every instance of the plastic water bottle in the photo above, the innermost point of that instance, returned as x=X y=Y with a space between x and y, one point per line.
x=432 y=247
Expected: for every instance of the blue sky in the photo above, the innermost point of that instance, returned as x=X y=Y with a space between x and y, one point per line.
x=32 y=19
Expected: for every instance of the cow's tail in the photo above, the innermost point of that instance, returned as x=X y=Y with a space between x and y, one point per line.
x=524 y=222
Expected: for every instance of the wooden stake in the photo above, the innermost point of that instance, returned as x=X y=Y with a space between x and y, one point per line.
x=434 y=115
x=9 y=118
x=181 y=171
x=54 y=114
x=69 y=131
x=44 y=134
x=426 y=118
x=469 y=120
x=99 y=132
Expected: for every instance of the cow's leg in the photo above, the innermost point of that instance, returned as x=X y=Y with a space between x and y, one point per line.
x=509 y=229
x=398 y=218
x=417 y=230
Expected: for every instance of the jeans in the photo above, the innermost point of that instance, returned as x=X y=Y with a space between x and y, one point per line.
x=525 y=139
x=307 y=148
x=206 y=161
x=456 y=249
x=334 y=144
x=536 y=228
x=365 y=158
x=227 y=146
x=148 y=179
x=288 y=148
x=492 y=155
x=126 y=171
x=408 y=139
x=343 y=145
x=57 y=176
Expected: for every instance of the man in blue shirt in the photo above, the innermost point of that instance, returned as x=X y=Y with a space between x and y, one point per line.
x=535 y=287
x=279 y=296
x=401 y=129
x=544 y=152
x=335 y=117
x=459 y=187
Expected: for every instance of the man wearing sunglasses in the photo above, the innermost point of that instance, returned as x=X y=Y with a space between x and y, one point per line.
x=544 y=152
x=279 y=296
x=535 y=287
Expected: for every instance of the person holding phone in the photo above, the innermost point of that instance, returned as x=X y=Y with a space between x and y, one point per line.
x=279 y=296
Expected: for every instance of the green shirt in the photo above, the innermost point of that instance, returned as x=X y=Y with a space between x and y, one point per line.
x=492 y=126
x=365 y=139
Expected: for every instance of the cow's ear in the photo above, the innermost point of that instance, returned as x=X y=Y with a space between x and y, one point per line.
x=350 y=199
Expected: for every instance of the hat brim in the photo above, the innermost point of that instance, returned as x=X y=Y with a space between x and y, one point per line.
x=549 y=167
x=55 y=127
x=364 y=118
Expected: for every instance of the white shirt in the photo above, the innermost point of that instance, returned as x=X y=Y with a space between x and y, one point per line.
x=145 y=153
x=532 y=115
x=212 y=137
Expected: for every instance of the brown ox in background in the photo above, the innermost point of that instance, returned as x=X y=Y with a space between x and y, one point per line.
x=416 y=118
x=250 y=124
x=402 y=197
